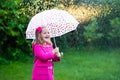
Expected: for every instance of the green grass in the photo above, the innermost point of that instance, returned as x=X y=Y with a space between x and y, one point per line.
x=16 y=71
x=75 y=65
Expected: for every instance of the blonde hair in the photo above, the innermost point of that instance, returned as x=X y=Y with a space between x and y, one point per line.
x=38 y=39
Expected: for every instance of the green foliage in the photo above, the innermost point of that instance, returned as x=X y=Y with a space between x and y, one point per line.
x=12 y=28
x=91 y=31
x=36 y=6
x=114 y=34
x=115 y=24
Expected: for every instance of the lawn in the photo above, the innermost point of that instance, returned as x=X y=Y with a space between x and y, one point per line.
x=75 y=65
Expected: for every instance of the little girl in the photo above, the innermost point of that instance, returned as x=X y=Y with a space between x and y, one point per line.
x=44 y=55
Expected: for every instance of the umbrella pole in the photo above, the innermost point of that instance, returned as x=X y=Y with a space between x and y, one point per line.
x=54 y=42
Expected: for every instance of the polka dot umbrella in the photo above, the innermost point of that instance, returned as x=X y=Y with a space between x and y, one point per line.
x=58 y=22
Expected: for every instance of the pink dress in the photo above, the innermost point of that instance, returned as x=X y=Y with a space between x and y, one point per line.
x=43 y=68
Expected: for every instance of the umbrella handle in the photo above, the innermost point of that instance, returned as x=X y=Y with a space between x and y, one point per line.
x=54 y=42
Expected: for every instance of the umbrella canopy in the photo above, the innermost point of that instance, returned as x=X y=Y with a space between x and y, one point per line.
x=58 y=23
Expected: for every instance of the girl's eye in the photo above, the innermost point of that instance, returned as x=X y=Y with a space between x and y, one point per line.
x=46 y=33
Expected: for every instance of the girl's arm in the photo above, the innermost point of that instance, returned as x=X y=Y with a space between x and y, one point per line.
x=39 y=53
x=56 y=51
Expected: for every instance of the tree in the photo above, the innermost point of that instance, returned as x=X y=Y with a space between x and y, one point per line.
x=12 y=27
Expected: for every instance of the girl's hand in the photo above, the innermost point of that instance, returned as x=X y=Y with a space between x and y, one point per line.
x=58 y=54
x=56 y=51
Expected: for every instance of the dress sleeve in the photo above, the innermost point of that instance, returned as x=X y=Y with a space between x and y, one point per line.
x=56 y=59
x=39 y=53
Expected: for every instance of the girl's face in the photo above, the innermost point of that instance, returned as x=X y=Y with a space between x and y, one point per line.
x=45 y=35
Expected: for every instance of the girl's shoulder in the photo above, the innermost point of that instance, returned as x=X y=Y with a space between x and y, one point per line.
x=36 y=44
x=40 y=45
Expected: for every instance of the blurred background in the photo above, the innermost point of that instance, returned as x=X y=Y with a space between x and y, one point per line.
x=98 y=30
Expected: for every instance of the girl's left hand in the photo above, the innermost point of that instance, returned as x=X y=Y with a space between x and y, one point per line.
x=56 y=50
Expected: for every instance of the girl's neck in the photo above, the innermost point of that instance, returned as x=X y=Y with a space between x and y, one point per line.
x=44 y=44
